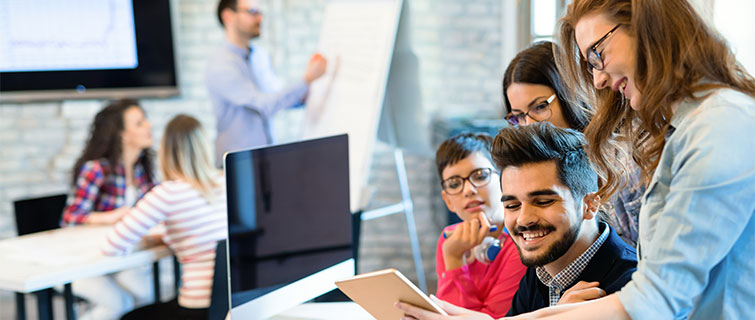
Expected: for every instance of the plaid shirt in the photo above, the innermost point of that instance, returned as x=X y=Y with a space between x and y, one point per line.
x=624 y=209
x=100 y=187
x=558 y=284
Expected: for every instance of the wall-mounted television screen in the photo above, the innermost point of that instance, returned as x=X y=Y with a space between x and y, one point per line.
x=53 y=50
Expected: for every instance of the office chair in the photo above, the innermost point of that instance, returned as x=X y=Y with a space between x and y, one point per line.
x=39 y=214
x=219 y=295
x=36 y=215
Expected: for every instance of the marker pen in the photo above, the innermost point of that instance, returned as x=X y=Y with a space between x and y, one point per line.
x=446 y=234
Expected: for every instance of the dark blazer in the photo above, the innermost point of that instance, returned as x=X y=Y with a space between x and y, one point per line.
x=612 y=266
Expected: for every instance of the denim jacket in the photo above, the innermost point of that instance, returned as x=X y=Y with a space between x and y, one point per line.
x=697 y=233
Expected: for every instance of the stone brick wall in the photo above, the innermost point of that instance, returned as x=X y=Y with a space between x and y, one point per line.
x=458 y=44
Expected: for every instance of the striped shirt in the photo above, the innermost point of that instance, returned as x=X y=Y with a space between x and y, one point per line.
x=192 y=228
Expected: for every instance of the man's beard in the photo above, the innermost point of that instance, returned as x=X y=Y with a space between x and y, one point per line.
x=555 y=251
x=255 y=33
x=250 y=33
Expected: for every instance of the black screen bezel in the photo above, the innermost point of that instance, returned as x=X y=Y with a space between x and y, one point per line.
x=155 y=52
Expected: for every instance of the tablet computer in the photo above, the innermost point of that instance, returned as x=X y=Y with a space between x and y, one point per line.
x=377 y=291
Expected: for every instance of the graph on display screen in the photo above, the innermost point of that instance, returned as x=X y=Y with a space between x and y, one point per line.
x=53 y=35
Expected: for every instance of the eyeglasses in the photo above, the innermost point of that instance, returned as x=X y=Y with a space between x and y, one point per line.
x=478 y=178
x=540 y=112
x=594 y=59
x=252 y=12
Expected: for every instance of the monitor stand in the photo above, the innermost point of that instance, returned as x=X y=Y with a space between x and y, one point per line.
x=295 y=293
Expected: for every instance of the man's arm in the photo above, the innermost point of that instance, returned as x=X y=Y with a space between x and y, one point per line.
x=582 y=291
x=230 y=83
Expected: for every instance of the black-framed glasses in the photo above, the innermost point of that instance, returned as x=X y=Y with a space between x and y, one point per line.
x=479 y=178
x=594 y=59
x=539 y=112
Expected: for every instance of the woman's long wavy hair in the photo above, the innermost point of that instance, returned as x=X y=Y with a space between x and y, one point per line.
x=106 y=141
x=536 y=65
x=675 y=51
x=186 y=154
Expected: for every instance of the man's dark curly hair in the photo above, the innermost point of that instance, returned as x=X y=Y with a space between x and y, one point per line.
x=542 y=142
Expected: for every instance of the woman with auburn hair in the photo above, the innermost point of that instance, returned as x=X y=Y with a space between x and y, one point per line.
x=659 y=75
x=191 y=203
x=666 y=80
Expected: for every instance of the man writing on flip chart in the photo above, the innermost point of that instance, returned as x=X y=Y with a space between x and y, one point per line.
x=243 y=88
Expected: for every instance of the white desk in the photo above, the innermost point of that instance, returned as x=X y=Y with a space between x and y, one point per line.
x=325 y=311
x=43 y=260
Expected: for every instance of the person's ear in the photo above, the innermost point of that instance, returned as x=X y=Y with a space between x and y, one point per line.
x=227 y=15
x=591 y=204
x=447 y=200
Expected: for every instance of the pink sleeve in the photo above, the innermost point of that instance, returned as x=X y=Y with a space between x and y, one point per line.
x=495 y=288
x=455 y=286
x=504 y=282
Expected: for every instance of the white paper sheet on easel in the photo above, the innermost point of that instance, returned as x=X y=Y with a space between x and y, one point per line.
x=357 y=39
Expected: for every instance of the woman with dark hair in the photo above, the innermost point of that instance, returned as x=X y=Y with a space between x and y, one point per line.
x=113 y=172
x=534 y=91
x=115 y=168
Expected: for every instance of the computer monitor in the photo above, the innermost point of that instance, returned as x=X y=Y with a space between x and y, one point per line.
x=56 y=50
x=289 y=222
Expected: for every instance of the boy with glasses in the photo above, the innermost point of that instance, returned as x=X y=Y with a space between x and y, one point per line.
x=470 y=189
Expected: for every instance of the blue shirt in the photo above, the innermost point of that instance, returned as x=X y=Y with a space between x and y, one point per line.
x=697 y=233
x=245 y=96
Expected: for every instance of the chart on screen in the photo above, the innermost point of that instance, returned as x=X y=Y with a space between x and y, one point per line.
x=44 y=35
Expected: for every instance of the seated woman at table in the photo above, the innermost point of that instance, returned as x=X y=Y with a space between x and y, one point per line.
x=191 y=203
x=116 y=167
x=114 y=170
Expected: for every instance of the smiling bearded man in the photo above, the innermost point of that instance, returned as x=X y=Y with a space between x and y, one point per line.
x=550 y=207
